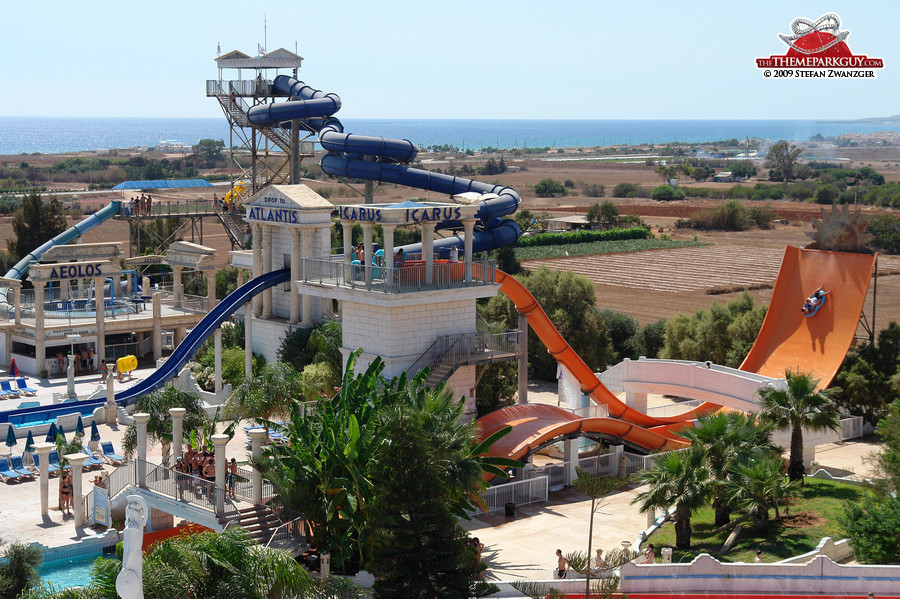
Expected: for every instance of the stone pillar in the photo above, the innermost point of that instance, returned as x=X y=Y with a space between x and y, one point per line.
x=638 y=401
x=257 y=264
x=177 y=288
x=267 y=267
x=570 y=456
x=129 y=286
x=75 y=461
x=157 y=326
x=219 y=442
x=617 y=465
x=140 y=421
x=388 y=231
x=257 y=437
x=210 y=290
x=348 y=249
x=177 y=430
x=43 y=450
x=323 y=305
x=17 y=297
x=40 y=353
x=248 y=342
x=468 y=231
x=523 y=358
x=178 y=335
x=145 y=286
x=111 y=410
x=367 y=228
x=217 y=360
x=305 y=300
x=295 y=276
x=428 y=251
x=100 y=304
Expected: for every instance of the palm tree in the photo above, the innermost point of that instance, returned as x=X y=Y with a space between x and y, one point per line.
x=268 y=395
x=800 y=405
x=729 y=438
x=759 y=485
x=159 y=427
x=680 y=478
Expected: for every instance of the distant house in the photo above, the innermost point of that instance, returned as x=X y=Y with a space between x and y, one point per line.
x=568 y=223
x=723 y=177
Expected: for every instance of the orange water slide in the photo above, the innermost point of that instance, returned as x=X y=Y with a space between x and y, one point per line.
x=535 y=424
x=590 y=385
x=815 y=344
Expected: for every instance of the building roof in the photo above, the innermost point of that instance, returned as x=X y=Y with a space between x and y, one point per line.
x=164 y=184
x=277 y=59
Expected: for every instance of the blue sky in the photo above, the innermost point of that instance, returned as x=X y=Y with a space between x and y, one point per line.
x=461 y=59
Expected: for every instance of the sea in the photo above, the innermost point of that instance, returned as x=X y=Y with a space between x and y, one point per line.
x=54 y=135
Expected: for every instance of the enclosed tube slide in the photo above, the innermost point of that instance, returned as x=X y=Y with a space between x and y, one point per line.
x=201 y=333
x=346 y=159
x=70 y=234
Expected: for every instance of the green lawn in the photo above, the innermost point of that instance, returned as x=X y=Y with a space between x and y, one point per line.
x=813 y=516
x=599 y=247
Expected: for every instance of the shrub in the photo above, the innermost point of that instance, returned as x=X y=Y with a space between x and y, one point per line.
x=549 y=188
x=666 y=193
x=623 y=189
x=594 y=190
x=583 y=237
x=827 y=194
x=233 y=365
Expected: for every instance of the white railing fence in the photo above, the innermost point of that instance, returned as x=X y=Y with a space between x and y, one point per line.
x=520 y=492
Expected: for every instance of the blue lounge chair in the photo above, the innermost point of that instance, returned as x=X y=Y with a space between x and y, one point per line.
x=37 y=462
x=7 y=473
x=16 y=464
x=91 y=461
x=29 y=404
x=8 y=390
x=24 y=388
x=110 y=453
x=53 y=460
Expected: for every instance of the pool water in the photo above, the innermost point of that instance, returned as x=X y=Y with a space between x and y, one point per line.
x=70 y=572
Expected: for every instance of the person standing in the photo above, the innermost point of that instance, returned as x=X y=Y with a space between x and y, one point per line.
x=232 y=478
x=562 y=564
x=758 y=557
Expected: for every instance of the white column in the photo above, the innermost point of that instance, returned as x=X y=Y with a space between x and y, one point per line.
x=177 y=289
x=145 y=286
x=140 y=421
x=211 y=289
x=219 y=442
x=17 y=296
x=100 y=303
x=257 y=436
x=295 y=276
x=367 y=228
x=43 y=450
x=428 y=251
x=570 y=457
x=177 y=430
x=638 y=401
x=75 y=461
x=348 y=249
x=40 y=353
x=248 y=342
x=468 y=231
x=110 y=408
x=257 y=264
x=157 y=326
x=267 y=267
x=217 y=360
x=306 y=238
x=388 y=231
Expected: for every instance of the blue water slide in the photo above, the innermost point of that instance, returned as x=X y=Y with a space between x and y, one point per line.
x=70 y=234
x=201 y=333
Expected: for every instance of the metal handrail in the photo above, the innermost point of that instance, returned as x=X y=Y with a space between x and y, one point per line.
x=291 y=534
x=177 y=485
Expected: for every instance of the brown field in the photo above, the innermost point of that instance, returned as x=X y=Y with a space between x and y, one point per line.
x=647 y=285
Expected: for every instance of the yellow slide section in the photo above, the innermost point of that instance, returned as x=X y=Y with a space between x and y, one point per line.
x=816 y=344
x=235 y=193
x=590 y=385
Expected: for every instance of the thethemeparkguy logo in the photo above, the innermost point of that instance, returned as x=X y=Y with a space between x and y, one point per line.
x=818 y=49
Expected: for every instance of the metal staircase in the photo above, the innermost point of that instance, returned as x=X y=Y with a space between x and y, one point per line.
x=449 y=352
x=235 y=227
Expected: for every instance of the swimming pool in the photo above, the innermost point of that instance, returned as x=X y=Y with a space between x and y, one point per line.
x=69 y=572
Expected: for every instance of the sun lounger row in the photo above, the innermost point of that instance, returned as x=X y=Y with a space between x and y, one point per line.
x=12 y=468
x=22 y=388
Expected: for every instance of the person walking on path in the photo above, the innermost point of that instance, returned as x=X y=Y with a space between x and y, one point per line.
x=562 y=564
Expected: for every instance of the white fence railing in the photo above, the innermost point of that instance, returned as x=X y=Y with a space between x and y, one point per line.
x=674 y=409
x=520 y=492
x=599 y=464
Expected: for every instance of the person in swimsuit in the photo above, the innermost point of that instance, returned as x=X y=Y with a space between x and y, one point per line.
x=562 y=564
x=65 y=492
x=209 y=475
x=232 y=478
x=813 y=301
